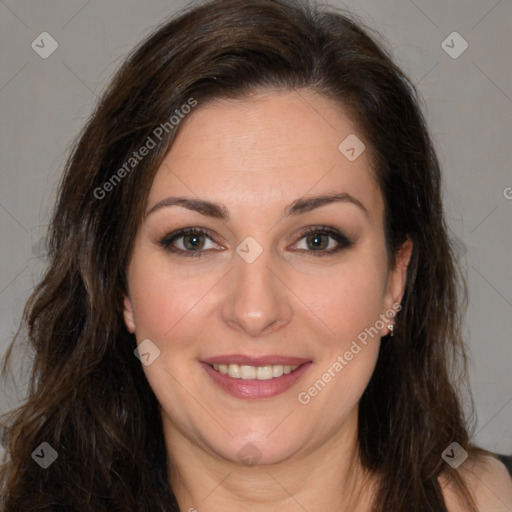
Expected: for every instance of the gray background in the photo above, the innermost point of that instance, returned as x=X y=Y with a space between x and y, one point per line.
x=468 y=103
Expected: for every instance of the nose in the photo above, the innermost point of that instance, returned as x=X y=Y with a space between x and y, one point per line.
x=257 y=301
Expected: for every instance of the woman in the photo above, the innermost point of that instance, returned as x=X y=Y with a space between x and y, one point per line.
x=252 y=298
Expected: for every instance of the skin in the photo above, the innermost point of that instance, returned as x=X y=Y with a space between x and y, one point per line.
x=488 y=480
x=256 y=156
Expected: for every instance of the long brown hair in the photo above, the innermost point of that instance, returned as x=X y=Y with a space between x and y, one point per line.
x=88 y=396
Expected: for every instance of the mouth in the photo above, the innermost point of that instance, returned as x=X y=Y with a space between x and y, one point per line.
x=255 y=378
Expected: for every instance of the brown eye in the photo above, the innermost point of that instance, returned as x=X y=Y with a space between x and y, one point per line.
x=193 y=241
x=318 y=241
x=187 y=242
x=322 y=241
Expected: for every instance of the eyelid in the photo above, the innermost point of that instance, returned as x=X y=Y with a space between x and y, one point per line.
x=343 y=241
x=170 y=238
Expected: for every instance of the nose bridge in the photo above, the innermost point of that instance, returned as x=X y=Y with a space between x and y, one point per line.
x=257 y=300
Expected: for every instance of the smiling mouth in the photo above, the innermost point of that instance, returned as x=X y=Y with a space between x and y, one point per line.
x=245 y=372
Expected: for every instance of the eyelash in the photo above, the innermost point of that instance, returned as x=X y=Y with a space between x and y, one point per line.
x=343 y=241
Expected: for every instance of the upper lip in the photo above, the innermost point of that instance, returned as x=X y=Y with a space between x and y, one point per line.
x=268 y=360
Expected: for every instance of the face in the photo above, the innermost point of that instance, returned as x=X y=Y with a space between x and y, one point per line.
x=263 y=306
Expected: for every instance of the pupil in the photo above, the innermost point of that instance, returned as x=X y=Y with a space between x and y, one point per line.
x=316 y=239
x=195 y=241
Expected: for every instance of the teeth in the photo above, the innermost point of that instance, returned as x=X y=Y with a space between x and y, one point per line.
x=246 y=372
x=264 y=372
x=234 y=371
x=277 y=370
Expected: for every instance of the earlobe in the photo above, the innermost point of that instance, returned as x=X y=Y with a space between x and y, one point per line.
x=128 y=315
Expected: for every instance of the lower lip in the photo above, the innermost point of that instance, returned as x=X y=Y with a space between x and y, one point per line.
x=253 y=388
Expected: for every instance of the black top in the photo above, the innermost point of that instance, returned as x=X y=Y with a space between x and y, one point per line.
x=507 y=460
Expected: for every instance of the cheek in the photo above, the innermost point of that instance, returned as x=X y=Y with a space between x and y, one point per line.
x=164 y=300
x=348 y=306
x=173 y=302
x=348 y=300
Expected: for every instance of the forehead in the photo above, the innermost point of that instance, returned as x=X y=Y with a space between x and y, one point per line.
x=265 y=151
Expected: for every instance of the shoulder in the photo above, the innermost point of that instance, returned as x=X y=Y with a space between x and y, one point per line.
x=489 y=482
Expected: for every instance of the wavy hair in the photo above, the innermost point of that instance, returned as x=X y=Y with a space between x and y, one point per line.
x=88 y=396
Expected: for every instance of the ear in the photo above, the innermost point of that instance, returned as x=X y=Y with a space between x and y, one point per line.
x=128 y=315
x=397 y=277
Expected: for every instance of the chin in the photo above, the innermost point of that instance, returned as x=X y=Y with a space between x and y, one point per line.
x=261 y=447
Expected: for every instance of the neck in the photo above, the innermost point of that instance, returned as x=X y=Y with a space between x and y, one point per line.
x=314 y=479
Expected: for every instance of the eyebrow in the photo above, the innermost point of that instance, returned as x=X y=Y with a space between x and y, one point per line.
x=219 y=211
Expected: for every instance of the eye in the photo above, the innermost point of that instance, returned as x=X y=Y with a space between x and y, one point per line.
x=191 y=242
x=317 y=241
